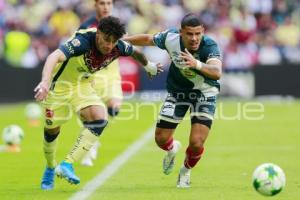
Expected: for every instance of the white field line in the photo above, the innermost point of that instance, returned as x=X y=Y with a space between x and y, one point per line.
x=112 y=168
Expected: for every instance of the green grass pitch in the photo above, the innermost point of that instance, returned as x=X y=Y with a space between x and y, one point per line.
x=235 y=146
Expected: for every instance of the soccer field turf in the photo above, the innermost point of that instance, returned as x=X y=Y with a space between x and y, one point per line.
x=236 y=145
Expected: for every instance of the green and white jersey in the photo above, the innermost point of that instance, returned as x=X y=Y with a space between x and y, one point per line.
x=180 y=78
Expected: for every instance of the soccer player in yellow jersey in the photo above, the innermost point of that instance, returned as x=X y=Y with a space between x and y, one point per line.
x=107 y=82
x=66 y=87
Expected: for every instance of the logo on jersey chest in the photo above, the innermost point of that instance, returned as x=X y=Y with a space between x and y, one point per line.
x=188 y=73
x=185 y=71
x=177 y=60
x=96 y=61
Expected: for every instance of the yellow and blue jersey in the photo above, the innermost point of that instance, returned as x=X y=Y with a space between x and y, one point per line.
x=71 y=88
x=107 y=82
x=83 y=57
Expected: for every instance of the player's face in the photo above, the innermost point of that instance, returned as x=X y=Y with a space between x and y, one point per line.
x=104 y=43
x=104 y=8
x=191 y=37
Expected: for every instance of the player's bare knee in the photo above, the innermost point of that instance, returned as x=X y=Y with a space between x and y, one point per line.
x=96 y=115
x=52 y=131
x=159 y=140
x=159 y=135
x=162 y=136
x=196 y=148
x=197 y=140
x=196 y=145
x=93 y=113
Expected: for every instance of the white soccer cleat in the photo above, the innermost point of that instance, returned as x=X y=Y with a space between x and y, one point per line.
x=184 y=178
x=169 y=159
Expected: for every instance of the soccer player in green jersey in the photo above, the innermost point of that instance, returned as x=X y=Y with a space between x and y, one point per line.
x=66 y=87
x=192 y=84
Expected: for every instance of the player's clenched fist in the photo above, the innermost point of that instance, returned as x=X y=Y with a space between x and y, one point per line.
x=41 y=90
x=153 y=69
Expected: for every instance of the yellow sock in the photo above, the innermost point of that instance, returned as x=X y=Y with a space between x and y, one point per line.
x=49 y=152
x=83 y=144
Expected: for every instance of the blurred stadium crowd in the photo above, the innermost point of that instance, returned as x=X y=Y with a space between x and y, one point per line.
x=249 y=32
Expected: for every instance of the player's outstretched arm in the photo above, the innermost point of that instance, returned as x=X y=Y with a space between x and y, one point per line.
x=42 y=88
x=151 y=68
x=140 y=39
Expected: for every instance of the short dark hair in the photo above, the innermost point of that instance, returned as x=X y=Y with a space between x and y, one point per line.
x=112 y=26
x=191 y=19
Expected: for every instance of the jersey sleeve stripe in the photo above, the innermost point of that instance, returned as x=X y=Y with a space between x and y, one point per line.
x=57 y=75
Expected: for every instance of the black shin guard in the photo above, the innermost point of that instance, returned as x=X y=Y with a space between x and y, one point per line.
x=50 y=137
x=113 y=111
x=96 y=127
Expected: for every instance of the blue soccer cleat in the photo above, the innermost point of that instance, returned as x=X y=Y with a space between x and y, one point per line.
x=48 y=179
x=65 y=170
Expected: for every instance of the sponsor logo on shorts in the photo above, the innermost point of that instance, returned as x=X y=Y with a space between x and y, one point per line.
x=168 y=109
x=49 y=113
x=49 y=122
